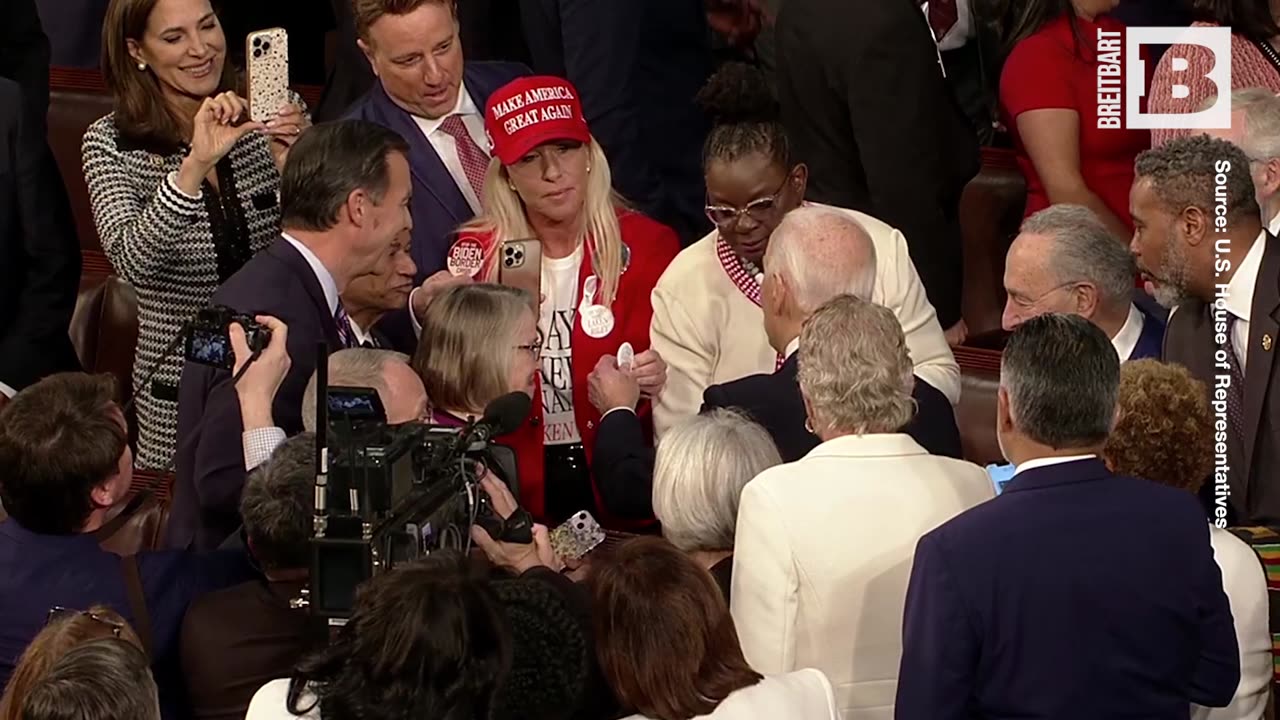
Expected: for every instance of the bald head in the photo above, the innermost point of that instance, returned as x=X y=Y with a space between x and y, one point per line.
x=820 y=253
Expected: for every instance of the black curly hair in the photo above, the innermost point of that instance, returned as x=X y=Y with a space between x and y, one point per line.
x=550 y=655
x=746 y=117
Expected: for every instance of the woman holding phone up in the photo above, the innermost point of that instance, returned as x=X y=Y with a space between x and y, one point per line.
x=549 y=180
x=183 y=186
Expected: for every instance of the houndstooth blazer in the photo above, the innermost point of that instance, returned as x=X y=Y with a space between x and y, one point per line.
x=175 y=250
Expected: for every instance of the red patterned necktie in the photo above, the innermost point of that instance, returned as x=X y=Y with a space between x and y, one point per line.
x=943 y=16
x=474 y=161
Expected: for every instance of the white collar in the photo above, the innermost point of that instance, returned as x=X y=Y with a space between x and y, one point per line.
x=327 y=283
x=1274 y=225
x=1047 y=461
x=361 y=337
x=465 y=106
x=1239 y=300
x=792 y=347
x=1127 y=339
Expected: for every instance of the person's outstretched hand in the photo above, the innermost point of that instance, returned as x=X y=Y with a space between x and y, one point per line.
x=258 y=386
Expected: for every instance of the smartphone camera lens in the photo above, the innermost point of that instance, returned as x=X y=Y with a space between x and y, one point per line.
x=257 y=52
x=266 y=47
x=581 y=525
x=257 y=42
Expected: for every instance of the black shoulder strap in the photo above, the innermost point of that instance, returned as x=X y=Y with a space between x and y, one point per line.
x=137 y=601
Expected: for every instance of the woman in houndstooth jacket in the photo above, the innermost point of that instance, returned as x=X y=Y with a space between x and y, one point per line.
x=183 y=186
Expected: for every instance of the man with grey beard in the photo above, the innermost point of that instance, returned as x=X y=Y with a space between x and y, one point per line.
x=1198 y=237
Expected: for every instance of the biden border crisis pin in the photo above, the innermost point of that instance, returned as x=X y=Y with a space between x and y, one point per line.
x=465 y=257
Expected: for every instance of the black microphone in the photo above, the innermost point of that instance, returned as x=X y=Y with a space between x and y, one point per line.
x=502 y=416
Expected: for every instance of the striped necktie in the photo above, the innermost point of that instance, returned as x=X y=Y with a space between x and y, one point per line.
x=345 y=333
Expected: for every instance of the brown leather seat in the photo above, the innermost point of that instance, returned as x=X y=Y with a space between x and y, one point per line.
x=990 y=213
x=104 y=325
x=976 y=413
x=73 y=106
x=136 y=526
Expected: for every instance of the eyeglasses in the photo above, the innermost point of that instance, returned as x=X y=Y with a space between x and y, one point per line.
x=534 y=347
x=1021 y=302
x=58 y=611
x=759 y=210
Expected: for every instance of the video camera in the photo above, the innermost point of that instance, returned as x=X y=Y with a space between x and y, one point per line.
x=388 y=494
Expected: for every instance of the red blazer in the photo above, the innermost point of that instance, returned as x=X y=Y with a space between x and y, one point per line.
x=652 y=247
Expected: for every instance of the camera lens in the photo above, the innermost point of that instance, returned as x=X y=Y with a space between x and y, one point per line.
x=257 y=41
x=266 y=46
x=257 y=52
x=581 y=525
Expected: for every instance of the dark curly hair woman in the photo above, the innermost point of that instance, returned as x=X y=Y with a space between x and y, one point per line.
x=428 y=641
x=1164 y=433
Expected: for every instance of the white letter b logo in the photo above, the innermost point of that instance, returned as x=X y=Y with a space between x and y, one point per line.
x=1217 y=40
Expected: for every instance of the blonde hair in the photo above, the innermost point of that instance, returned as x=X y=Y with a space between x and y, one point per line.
x=505 y=217
x=456 y=356
x=702 y=464
x=60 y=636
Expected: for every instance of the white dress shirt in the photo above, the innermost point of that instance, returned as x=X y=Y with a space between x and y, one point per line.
x=447 y=148
x=327 y=283
x=1127 y=339
x=959 y=34
x=360 y=334
x=1239 y=300
x=1047 y=461
x=1274 y=225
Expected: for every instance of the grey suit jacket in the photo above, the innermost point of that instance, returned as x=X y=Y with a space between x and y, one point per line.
x=1253 y=452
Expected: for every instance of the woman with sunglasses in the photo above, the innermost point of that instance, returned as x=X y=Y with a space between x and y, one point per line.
x=707 y=321
x=549 y=179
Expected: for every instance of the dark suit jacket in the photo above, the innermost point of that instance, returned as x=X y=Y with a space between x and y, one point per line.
x=38 y=572
x=1151 y=339
x=438 y=205
x=1254 y=455
x=867 y=107
x=210 y=459
x=236 y=640
x=39 y=252
x=638 y=66
x=1074 y=594
x=24 y=57
x=775 y=402
x=623 y=466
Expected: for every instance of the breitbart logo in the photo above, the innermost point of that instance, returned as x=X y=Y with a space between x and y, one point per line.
x=1112 y=81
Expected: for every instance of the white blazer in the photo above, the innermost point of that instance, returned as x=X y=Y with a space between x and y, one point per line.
x=1246 y=587
x=709 y=332
x=270 y=703
x=800 y=695
x=823 y=555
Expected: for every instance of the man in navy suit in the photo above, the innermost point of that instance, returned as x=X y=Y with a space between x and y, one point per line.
x=1076 y=593
x=344 y=197
x=1065 y=261
x=436 y=102
x=66 y=463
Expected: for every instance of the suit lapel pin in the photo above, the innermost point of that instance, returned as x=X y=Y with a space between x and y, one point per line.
x=1266 y=342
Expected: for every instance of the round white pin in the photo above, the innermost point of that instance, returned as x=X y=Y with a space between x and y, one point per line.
x=597 y=320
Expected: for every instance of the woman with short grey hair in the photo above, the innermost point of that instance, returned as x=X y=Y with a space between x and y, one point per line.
x=701 y=467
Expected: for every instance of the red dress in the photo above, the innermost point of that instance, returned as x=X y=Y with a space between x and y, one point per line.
x=1046 y=71
x=652 y=247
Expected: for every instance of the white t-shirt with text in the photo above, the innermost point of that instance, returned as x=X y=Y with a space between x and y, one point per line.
x=559 y=312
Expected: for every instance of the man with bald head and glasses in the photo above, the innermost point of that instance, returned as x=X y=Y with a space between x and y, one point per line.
x=1065 y=261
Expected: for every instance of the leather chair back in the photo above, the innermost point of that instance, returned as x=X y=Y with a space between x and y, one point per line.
x=136 y=527
x=976 y=413
x=104 y=327
x=991 y=211
x=71 y=111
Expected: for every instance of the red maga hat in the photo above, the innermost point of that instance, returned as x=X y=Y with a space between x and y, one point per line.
x=530 y=111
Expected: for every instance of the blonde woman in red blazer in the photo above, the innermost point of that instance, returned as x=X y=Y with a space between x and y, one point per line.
x=549 y=180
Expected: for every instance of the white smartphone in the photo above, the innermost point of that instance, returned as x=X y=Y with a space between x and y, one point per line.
x=267 y=60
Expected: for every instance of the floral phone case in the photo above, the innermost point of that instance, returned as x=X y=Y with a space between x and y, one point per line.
x=577 y=536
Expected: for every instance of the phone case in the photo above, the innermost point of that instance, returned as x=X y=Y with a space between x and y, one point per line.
x=267 y=57
x=520 y=266
x=577 y=536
